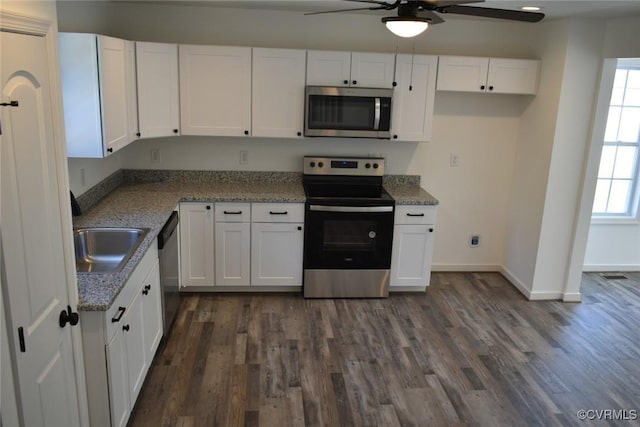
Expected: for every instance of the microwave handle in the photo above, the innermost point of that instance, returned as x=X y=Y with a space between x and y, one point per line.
x=376 y=119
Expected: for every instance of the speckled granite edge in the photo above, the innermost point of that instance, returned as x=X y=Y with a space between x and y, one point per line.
x=92 y=196
x=401 y=180
x=202 y=176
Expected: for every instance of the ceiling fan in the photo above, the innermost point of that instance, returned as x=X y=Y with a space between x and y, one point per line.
x=414 y=16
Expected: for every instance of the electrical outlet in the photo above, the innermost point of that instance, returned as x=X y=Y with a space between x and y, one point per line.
x=474 y=240
x=83 y=178
x=155 y=155
x=454 y=160
x=244 y=157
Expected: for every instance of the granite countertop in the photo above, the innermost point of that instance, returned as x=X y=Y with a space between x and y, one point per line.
x=149 y=205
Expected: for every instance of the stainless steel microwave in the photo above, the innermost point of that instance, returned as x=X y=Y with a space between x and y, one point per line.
x=347 y=112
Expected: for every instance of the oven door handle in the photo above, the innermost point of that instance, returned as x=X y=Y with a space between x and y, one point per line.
x=322 y=208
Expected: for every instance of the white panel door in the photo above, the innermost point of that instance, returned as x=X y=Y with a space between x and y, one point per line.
x=372 y=69
x=152 y=312
x=462 y=73
x=328 y=68
x=411 y=255
x=276 y=254
x=215 y=90
x=113 y=93
x=233 y=253
x=34 y=275
x=158 y=101
x=196 y=244
x=413 y=97
x=133 y=331
x=278 y=92
x=517 y=76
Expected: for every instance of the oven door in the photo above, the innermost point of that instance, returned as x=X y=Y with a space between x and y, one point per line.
x=348 y=237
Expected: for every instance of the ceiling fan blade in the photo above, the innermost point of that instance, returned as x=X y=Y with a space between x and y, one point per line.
x=442 y=3
x=432 y=17
x=346 y=10
x=484 y=12
x=381 y=3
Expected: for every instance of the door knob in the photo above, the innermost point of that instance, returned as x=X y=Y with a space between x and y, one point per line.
x=68 y=316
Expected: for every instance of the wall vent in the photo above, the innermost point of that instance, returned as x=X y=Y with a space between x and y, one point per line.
x=614 y=276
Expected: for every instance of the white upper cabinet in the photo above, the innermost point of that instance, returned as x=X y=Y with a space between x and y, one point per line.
x=132 y=90
x=278 y=92
x=492 y=75
x=95 y=94
x=158 y=103
x=413 y=97
x=335 y=68
x=215 y=90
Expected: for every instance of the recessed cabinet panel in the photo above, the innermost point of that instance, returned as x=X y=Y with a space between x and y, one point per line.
x=413 y=97
x=278 y=92
x=197 y=244
x=517 y=76
x=233 y=254
x=276 y=254
x=158 y=103
x=118 y=380
x=113 y=79
x=328 y=68
x=215 y=90
x=372 y=69
x=462 y=73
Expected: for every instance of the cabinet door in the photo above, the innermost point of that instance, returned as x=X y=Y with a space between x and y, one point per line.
x=118 y=375
x=328 y=68
x=372 y=69
x=462 y=73
x=215 y=90
x=411 y=255
x=276 y=254
x=413 y=97
x=113 y=92
x=233 y=253
x=278 y=92
x=133 y=331
x=157 y=70
x=517 y=76
x=196 y=244
x=152 y=312
x=132 y=91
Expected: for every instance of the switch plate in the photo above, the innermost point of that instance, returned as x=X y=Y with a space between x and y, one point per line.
x=83 y=177
x=454 y=160
x=155 y=155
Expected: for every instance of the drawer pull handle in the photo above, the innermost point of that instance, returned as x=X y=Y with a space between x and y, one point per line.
x=420 y=214
x=278 y=213
x=233 y=212
x=119 y=316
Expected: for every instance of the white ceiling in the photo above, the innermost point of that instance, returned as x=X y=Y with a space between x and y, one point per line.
x=553 y=9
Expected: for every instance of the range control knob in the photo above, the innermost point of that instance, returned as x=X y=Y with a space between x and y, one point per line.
x=367 y=165
x=375 y=166
x=320 y=164
x=312 y=164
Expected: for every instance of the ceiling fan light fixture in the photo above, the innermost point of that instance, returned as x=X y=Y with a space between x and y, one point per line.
x=406 y=26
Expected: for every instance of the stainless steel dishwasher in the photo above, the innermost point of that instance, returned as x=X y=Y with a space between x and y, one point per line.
x=169 y=276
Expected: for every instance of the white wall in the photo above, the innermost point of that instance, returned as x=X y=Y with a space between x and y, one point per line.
x=616 y=247
x=481 y=129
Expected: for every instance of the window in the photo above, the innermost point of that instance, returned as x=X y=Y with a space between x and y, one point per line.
x=617 y=187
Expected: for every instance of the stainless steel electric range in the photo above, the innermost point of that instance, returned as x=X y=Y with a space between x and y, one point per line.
x=348 y=228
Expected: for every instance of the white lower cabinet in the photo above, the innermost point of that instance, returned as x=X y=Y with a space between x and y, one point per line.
x=197 y=244
x=119 y=344
x=412 y=247
x=277 y=235
x=233 y=244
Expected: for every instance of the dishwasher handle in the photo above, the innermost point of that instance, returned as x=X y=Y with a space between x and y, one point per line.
x=168 y=230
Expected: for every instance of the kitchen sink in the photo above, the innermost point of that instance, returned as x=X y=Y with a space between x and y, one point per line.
x=105 y=250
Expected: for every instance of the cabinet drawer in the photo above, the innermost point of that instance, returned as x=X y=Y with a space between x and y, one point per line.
x=277 y=212
x=128 y=293
x=415 y=214
x=233 y=212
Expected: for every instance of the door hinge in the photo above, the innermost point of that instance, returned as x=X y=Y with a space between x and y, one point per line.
x=23 y=348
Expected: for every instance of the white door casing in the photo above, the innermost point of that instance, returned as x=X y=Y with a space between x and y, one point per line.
x=35 y=282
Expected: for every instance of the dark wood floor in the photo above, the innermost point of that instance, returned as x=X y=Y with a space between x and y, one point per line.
x=470 y=351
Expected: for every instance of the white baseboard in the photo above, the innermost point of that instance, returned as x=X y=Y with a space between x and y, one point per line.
x=594 y=268
x=465 y=268
x=517 y=283
x=572 y=297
